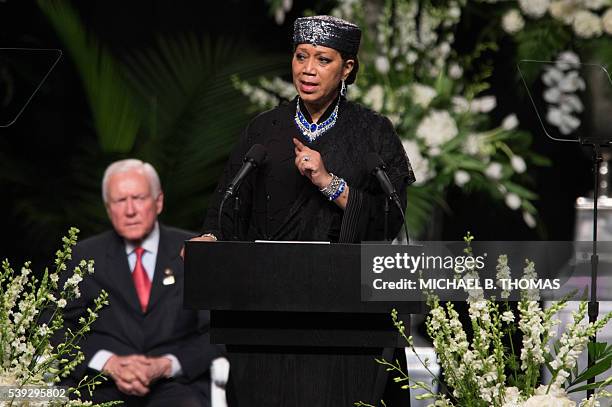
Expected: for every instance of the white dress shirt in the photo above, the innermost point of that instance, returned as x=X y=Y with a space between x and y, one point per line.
x=149 y=260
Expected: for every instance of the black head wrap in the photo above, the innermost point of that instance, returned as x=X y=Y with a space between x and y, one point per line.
x=332 y=32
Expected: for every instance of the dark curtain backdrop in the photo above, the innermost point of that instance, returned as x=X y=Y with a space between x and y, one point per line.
x=57 y=124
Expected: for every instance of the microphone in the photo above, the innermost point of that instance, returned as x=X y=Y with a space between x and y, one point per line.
x=376 y=166
x=252 y=159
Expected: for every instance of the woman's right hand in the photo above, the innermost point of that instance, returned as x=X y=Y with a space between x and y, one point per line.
x=203 y=238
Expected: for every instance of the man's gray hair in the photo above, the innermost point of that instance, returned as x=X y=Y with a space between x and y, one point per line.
x=131 y=164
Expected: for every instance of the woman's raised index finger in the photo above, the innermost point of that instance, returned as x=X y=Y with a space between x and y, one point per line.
x=298 y=144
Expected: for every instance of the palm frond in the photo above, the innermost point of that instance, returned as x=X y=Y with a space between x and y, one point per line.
x=193 y=113
x=110 y=100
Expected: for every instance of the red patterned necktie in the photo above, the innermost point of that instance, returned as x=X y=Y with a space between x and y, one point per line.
x=141 y=280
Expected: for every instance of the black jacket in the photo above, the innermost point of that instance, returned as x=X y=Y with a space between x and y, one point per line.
x=122 y=328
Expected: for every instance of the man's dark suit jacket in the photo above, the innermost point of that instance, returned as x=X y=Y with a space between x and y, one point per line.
x=123 y=329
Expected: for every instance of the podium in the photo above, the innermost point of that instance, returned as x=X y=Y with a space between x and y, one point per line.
x=293 y=322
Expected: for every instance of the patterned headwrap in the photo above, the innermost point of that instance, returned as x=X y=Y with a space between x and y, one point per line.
x=329 y=32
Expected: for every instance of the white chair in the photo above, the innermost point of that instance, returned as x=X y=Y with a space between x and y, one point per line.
x=219 y=373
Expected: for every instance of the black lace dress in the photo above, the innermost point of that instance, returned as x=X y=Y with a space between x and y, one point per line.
x=277 y=203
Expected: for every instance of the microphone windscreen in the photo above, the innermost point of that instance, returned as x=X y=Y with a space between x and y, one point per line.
x=373 y=161
x=256 y=154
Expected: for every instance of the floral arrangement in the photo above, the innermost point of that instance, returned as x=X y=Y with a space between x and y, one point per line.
x=585 y=18
x=483 y=366
x=31 y=314
x=559 y=30
x=411 y=73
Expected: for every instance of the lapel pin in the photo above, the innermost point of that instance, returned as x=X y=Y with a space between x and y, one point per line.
x=168 y=277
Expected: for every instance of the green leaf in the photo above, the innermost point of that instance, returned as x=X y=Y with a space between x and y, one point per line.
x=587 y=387
x=421 y=201
x=596 y=349
x=110 y=100
x=597 y=369
x=520 y=191
x=193 y=113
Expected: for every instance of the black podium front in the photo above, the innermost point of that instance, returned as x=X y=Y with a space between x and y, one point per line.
x=292 y=318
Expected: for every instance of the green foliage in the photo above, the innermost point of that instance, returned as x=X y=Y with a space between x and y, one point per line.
x=172 y=105
x=192 y=113
x=602 y=362
x=110 y=100
x=542 y=41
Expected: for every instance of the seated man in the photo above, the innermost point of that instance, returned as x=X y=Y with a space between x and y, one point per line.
x=155 y=352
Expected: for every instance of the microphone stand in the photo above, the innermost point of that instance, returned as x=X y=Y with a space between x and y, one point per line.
x=235 y=217
x=219 y=217
x=398 y=204
x=386 y=235
x=593 y=309
x=236 y=211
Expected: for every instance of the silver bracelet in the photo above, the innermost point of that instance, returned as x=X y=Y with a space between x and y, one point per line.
x=335 y=187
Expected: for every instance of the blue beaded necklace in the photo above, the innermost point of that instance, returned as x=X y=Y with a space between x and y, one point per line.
x=313 y=131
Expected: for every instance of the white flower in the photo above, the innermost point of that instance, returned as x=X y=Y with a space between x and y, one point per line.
x=512 y=397
x=565 y=122
x=552 y=76
x=422 y=95
x=606 y=21
x=73 y=281
x=494 y=171
x=420 y=164
x=555 y=398
x=518 y=164
x=571 y=82
x=513 y=22
x=590 y=402
x=279 y=16
x=568 y=60
x=395 y=119
x=472 y=144
x=564 y=10
x=529 y=220
x=437 y=128
x=411 y=57
x=460 y=104
x=513 y=201
x=552 y=95
x=444 y=49
x=434 y=151
x=483 y=105
x=43 y=330
x=508 y=317
x=587 y=24
x=277 y=86
x=461 y=178
x=571 y=103
x=594 y=4
x=382 y=64
x=510 y=122
x=61 y=303
x=534 y=8
x=455 y=71
x=374 y=97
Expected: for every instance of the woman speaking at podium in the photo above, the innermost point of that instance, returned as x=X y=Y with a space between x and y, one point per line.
x=313 y=184
x=310 y=183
